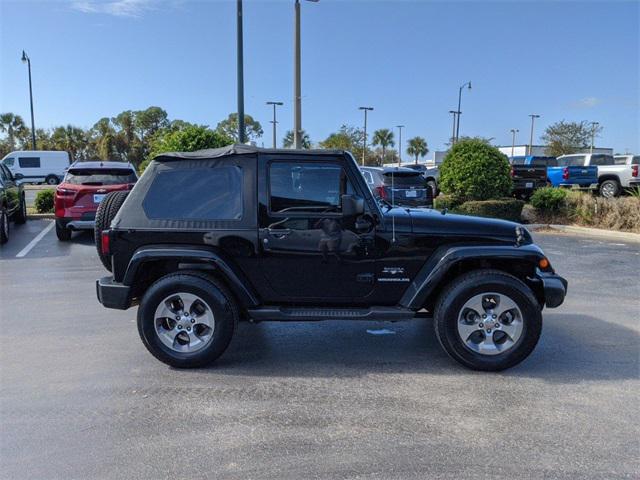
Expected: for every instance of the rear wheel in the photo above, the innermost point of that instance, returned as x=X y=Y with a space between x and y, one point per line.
x=488 y=320
x=62 y=232
x=106 y=212
x=187 y=319
x=610 y=189
x=21 y=215
x=51 y=180
x=4 y=227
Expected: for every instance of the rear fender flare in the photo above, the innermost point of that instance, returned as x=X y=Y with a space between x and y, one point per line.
x=239 y=286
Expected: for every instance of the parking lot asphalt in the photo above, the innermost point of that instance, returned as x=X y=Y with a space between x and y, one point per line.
x=81 y=398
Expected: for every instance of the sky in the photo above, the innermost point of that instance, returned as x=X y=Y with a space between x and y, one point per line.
x=565 y=60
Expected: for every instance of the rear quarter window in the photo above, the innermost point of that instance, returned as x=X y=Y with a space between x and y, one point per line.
x=601 y=160
x=196 y=194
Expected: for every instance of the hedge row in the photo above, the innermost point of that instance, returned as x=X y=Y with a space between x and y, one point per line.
x=504 y=208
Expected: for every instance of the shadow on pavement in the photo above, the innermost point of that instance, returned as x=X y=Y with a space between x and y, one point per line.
x=573 y=348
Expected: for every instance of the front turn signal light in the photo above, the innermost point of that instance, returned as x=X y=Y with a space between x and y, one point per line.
x=543 y=263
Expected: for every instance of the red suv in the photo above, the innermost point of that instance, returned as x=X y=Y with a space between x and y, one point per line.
x=83 y=188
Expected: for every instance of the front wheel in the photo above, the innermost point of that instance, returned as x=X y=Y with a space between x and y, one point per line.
x=187 y=319
x=610 y=189
x=21 y=215
x=488 y=320
x=4 y=227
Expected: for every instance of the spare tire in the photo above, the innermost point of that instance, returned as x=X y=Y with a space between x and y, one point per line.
x=104 y=215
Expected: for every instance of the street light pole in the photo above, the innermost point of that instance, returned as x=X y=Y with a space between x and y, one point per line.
x=533 y=118
x=274 y=121
x=364 y=138
x=513 y=140
x=399 y=127
x=240 y=66
x=27 y=60
x=593 y=134
x=453 y=132
x=297 y=93
x=459 y=112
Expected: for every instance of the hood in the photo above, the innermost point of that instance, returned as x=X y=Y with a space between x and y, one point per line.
x=433 y=222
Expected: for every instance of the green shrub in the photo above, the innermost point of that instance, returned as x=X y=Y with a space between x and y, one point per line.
x=504 y=208
x=549 y=199
x=44 y=201
x=475 y=170
x=449 y=202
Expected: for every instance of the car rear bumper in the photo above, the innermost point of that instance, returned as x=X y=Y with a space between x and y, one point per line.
x=554 y=287
x=81 y=224
x=113 y=294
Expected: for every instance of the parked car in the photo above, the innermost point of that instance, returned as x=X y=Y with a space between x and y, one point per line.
x=633 y=162
x=83 y=188
x=399 y=186
x=37 y=166
x=613 y=177
x=12 y=203
x=569 y=172
x=207 y=238
x=431 y=175
x=527 y=177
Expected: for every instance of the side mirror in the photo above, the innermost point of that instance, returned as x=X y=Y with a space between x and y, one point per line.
x=352 y=205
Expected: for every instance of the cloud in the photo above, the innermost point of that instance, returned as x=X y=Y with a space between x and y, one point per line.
x=587 y=102
x=117 y=8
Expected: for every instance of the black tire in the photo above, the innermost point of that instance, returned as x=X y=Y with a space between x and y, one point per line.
x=106 y=212
x=463 y=288
x=62 y=232
x=434 y=188
x=4 y=227
x=610 y=189
x=21 y=215
x=52 y=180
x=218 y=298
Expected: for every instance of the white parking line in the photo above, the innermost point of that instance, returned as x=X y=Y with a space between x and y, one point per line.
x=33 y=242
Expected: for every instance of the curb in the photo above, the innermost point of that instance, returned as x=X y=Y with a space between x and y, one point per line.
x=40 y=216
x=592 y=232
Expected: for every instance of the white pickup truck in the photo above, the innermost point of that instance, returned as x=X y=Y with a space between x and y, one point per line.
x=614 y=173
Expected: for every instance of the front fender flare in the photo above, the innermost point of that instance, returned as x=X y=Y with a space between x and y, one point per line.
x=445 y=258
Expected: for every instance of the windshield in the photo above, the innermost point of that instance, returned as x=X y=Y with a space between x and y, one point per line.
x=102 y=176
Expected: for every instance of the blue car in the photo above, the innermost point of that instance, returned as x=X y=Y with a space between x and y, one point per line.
x=564 y=172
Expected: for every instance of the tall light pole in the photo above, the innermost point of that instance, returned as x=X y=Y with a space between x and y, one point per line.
x=364 y=137
x=453 y=132
x=459 y=112
x=274 y=121
x=297 y=93
x=533 y=119
x=27 y=60
x=513 y=140
x=240 y=66
x=399 y=127
x=594 y=125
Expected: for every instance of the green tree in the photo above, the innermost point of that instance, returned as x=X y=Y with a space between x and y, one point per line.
x=475 y=170
x=14 y=127
x=103 y=140
x=188 y=139
x=229 y=127
x=287 y=140
x=43 y=139
x=568 y=137
x=417 y=147
x=384 y=138
x=127 y=143
x=71 y=139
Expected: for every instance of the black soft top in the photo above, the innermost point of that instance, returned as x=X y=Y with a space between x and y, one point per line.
x=238 y=149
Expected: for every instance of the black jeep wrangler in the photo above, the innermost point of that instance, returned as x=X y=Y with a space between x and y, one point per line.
x=208 y=238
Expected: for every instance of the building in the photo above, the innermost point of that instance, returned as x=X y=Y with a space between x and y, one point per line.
x=541 y=150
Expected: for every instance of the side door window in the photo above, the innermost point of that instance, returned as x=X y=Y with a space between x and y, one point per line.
x=29 y=162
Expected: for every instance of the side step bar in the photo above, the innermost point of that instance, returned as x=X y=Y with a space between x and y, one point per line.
x=323 y=313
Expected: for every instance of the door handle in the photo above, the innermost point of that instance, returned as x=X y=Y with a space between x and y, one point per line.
x=279 y=232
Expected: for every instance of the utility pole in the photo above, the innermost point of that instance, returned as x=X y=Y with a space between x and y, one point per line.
x=594 y=125
x=364 y=137
x=513 y=140
x=453 y=132
x=240 y=62
x=533 y=118
x=399 y=127
x=274 y=121
x=459 y=112
x=27 y=60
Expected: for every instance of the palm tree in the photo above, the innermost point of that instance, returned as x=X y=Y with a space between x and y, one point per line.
x=384 y=138
x=13 y=126
x=417 y=147
x=287 y=141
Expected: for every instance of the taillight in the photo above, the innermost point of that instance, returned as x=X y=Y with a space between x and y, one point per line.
x=382 y=193
x=634 y=170
x=565 y=173
x=63 y=192
x=105 y=242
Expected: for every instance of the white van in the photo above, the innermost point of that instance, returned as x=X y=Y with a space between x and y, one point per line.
x=37 y=166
